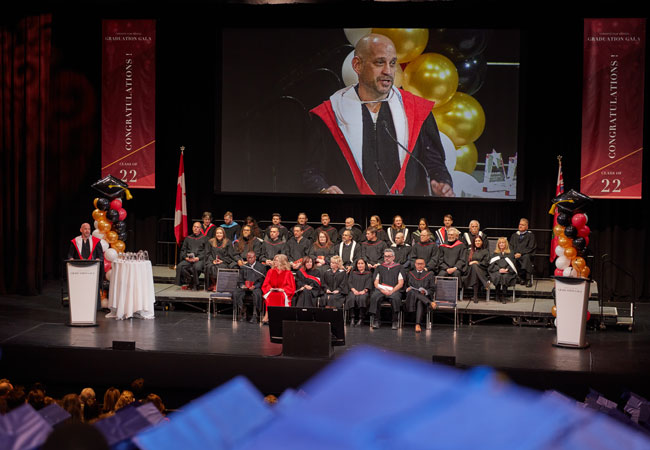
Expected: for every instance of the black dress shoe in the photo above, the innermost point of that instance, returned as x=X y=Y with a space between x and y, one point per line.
x=529 y=283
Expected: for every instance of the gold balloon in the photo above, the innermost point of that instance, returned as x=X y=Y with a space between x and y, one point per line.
x=564 y=242
x=119 y=246
x=409 y=42
x=585 y=272
x=399 y=76
x=98 y=214
x=104 y=226
x=462 y=119
x=95 y=202
x=466 y=158
x=432 y=76
x=579 y=264
x=558 y=230
x=554 y=311
x=570 y=252
x=111 y=237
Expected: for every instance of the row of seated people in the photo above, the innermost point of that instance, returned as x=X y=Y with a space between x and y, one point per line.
x=361 y=287
x=200 y=254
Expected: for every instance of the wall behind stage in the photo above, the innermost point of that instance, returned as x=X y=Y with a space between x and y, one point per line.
x=188 y=113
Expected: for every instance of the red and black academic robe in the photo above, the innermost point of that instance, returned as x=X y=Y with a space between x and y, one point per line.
x=307 y=298
x=270 y=248
x=199 y=246
x=76 y=249
x=419 y=280
x=452 y=255
x=279 y=279
x=441 y=236
x=284 y=232
x=373 y=252
x=332 y=161
x=402 y=255
x=308 y=232
x=208 y=231
x=427 y=251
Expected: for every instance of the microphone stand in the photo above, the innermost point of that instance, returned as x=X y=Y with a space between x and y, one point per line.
x=426 y=172
x=381 y=175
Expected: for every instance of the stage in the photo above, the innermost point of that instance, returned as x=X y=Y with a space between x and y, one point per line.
x=184 y=352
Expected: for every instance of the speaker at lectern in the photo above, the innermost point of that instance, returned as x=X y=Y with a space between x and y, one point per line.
x=83 y=288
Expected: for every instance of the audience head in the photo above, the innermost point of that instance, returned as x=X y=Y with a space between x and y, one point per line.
x=110 y=399
x=86 y=394
x=5 y=387
x=72 y=405
x=157 y=401
x=125 y=399
x=137 y=386
x=15 y=398
x=36 y=398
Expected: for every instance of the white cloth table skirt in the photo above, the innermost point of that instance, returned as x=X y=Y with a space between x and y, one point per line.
x=131 y=293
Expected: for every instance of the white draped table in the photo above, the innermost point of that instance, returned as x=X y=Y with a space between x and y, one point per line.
x=131 y=293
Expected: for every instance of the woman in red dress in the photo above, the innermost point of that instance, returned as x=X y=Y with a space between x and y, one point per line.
x=279 y=284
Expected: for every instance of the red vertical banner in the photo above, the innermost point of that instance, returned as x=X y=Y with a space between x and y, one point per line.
x=612 y=108
x=128 y=101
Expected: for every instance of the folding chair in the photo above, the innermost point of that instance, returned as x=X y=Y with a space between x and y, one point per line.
x=446 y=296
x=225 y=287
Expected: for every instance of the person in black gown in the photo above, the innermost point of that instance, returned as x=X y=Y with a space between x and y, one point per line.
x=308 y=285
x=502 y=269
x=360 y=286
x=477 y=267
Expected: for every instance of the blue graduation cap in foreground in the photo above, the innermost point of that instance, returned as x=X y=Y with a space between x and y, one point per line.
x=23 y=428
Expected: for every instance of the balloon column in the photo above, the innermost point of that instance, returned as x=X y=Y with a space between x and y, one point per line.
x=571 y=235
x=445 y=66
x=109 y=215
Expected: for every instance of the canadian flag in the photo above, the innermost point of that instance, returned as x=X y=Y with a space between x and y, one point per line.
x=180 y=213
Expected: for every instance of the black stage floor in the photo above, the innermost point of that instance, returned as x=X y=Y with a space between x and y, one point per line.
x=183 y=353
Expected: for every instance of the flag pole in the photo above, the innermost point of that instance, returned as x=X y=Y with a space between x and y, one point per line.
x=182 y=148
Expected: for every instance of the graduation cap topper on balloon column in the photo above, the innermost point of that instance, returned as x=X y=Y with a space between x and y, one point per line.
x=111 y=187
x=570 y=202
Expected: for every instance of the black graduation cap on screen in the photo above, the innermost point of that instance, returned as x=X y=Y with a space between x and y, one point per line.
x=571 y=202
x=111 y=187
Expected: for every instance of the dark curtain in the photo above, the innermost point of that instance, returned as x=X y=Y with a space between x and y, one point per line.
x=25 y=52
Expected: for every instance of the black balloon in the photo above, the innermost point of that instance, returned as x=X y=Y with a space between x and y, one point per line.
x=458 y=44
x=112 y=215
x=564 y=219
x=471 y=74
x=122 y=236
x=580 y=243
x=103 y=203
x=119 y=227
x=570 y=231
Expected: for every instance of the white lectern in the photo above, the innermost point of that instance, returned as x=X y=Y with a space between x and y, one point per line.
x=83 y=288
x=571 y=298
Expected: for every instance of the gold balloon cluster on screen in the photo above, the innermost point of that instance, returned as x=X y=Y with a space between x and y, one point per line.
x=435 y=77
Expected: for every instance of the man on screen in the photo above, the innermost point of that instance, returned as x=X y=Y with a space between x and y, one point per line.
x=358 y=131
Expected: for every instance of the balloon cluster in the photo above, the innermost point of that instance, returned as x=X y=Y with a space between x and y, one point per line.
x=449 y=75
x=110 y=227
x=572 y=234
